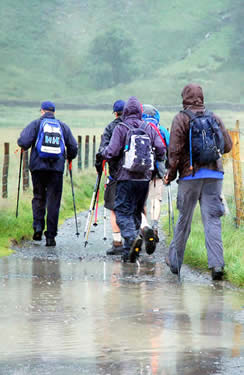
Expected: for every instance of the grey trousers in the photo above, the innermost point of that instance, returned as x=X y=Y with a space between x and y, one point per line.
x=208 y=193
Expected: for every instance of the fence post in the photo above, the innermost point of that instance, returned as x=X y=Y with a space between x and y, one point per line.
x=87 y=151
x=235 y=135
x=5 y=171
x=79 y=152
x=94 y=151
x=25 y=170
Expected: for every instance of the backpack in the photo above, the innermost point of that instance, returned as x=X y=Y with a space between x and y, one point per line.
x=50 y=140
x=206 y=140
x=138 y=152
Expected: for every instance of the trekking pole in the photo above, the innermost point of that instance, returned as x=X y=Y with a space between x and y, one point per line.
x=91 y=209
x=73 y=195
x=173 y=226
x=96 y=210
x=104 y=208
x=169 y=213
x=20 y=168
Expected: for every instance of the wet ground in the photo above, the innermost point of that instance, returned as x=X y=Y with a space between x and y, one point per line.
x=73 y=310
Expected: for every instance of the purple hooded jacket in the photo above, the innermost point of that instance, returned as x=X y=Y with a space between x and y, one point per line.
x=132 y=115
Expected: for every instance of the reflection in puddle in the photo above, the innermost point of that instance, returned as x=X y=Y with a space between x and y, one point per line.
x=110 y=318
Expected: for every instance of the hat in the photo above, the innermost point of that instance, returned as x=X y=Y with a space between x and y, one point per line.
x=48 y=106
x=118 y=106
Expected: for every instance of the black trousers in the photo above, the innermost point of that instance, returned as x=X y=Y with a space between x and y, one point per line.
x=47 y=191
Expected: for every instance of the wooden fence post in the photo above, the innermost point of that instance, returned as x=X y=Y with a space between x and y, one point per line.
x=94 y=151
x=87 y=151
x=238 y=187
x=25 y=170
x=79 y=152
x=5 y=171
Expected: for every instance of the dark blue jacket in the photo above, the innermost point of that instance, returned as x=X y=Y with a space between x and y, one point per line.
x=28 y=138
x=107 y=135
x=132 y=115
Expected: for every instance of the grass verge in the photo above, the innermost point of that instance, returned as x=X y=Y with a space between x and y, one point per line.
x=14 y=230
x=233 y=241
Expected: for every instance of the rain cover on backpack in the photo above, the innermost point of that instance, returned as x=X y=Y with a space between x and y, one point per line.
x=50 y=141
x=206 y=140
x=138 y=152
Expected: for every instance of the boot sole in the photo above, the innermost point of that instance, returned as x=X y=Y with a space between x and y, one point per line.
x=135 y=250
x=150 y=241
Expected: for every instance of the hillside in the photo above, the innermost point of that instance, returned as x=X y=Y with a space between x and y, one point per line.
x=94 y=51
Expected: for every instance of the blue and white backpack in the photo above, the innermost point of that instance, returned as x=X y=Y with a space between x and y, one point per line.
x=50 y=140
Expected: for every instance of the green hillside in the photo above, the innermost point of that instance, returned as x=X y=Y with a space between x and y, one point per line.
x=94 y=51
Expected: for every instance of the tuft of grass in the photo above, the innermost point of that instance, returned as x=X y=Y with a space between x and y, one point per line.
x=14 y=230
x=233 y=242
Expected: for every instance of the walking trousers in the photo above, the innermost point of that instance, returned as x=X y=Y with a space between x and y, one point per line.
x=47 y=191
x=208 y=193
x=129 y=204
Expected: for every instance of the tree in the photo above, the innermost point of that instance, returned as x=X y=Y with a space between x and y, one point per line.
x=111 y=55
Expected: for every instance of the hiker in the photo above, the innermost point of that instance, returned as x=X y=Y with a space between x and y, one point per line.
x=48 y=139
x=198 y=180
x=109 y=194
x=152 y=116
x=135 y=164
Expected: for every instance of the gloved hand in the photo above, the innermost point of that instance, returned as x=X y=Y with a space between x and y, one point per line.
x=99 y=163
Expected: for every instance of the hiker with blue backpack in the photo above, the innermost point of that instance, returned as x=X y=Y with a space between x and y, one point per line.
x=198 y=139
x=51 y=143
x=134 y=144
x=152 y=116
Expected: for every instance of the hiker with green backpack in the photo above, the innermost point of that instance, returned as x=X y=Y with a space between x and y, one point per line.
x=198 y=139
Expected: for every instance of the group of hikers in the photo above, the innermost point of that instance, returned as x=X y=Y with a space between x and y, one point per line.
x=142 y=157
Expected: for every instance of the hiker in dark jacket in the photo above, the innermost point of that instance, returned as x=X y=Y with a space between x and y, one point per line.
x=132 y=188
x=47 y=175
x=109 y=194
x=203 y=184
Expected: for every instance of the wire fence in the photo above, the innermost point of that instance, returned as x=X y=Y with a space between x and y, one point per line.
x=233 y=188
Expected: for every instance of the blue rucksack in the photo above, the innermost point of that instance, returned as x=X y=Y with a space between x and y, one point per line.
x=206 y=140
x=138 y=152
x=50 y=140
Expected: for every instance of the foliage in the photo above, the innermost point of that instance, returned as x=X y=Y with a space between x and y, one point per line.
x=112 y=58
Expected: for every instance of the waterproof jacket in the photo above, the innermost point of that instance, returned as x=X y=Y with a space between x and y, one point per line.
x=132 y=115
x=28 y=138
x=107 y=135
x=178 y=151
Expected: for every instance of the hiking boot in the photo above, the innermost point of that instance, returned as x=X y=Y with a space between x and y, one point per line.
x=125 y=257
x=217 y=273
x=50 y=242
x=135 y=249
x=117 y=248
x=150 y=240
x=155 y=230
x=37 y=236
x=173 y=270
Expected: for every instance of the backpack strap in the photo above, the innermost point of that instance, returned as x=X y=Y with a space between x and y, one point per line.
x=158 y=131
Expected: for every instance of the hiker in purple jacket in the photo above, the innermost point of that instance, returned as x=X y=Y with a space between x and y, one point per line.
x=132 y=187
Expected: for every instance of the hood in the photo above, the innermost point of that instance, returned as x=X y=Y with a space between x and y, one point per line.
x=132 y=109
x=150 y=113
x=192 y=96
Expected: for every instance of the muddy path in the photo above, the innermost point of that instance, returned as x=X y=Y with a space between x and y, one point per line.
x=74 y=310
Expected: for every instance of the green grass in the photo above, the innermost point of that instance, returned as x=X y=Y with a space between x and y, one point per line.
x=175 y=42
x=15 y=230
x=233 y=242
